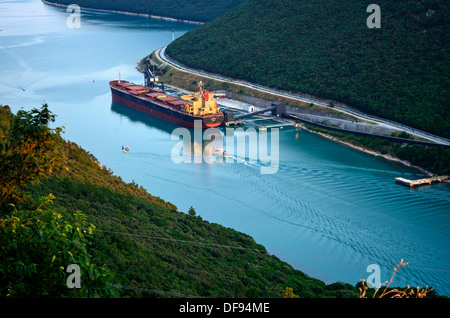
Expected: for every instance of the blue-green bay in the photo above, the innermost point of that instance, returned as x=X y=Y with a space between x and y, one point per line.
x=330 y=210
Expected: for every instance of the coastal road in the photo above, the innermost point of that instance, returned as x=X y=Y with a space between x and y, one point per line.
x=343 y=109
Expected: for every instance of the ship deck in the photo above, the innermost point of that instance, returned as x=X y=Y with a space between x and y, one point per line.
x=151 y=94
x=170 y=106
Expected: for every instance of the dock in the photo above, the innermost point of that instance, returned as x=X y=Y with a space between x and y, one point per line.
x=233 y=122
x=413 y=183
x=277 y=123
x=273 y=113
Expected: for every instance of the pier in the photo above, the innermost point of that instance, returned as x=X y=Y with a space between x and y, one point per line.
x=233 y=122
x=276 y=110
x=278 y=123
x=257 y=112
x=413 y=183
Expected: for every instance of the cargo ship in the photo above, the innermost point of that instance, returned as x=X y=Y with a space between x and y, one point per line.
x=183 y=111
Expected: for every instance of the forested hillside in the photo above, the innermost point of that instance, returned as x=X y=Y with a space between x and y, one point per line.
x=126 y=241
x=192 y=10
x=325 y=48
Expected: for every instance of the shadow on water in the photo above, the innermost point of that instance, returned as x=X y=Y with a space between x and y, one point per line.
x=161 y=125
x=137 y=116
x=124 y=21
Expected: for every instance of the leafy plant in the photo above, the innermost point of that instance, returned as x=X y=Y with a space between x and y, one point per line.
x=29 y=150
x=289 y=293
x=37 y=243
x=37 y=246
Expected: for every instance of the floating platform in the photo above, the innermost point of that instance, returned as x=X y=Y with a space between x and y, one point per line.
x=413 y=183
x=233 y=122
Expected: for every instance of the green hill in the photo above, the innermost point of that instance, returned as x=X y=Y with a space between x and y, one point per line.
x=149 y=247
x=192 y=10
x=325 y=48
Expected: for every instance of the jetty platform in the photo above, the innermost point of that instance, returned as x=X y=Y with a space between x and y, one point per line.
x=413 y=183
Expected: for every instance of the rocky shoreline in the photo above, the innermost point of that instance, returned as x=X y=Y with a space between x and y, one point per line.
x=371 y=152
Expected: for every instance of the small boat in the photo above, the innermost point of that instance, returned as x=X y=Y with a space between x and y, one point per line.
x=125 y=149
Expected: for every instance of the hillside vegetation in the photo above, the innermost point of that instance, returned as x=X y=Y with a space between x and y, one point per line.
x=325 y=48
x=60 y=207
x=430 y=159
x=192 y=10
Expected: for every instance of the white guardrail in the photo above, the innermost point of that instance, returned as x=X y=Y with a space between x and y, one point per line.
x=414 y=131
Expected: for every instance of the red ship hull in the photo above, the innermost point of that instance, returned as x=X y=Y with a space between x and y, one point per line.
x=162 y=110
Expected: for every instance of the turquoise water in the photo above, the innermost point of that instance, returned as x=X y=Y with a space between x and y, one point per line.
x=329 y=211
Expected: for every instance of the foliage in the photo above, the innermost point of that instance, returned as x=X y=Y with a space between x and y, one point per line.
x=145 y=245
x=36 y=246
x=433 y=159
x=191 y=211
x=5 y=120
x=28 y=151
x=36 y=242
x=192 y=10
x=150 y=248
x=289 y=293
x=399 y=72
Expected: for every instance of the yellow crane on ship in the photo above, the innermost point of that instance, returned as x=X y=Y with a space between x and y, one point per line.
x=201 y=103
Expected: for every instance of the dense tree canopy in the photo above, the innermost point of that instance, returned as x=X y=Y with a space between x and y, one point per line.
x=325 y=48
x=37 y=244
x=125 y=241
